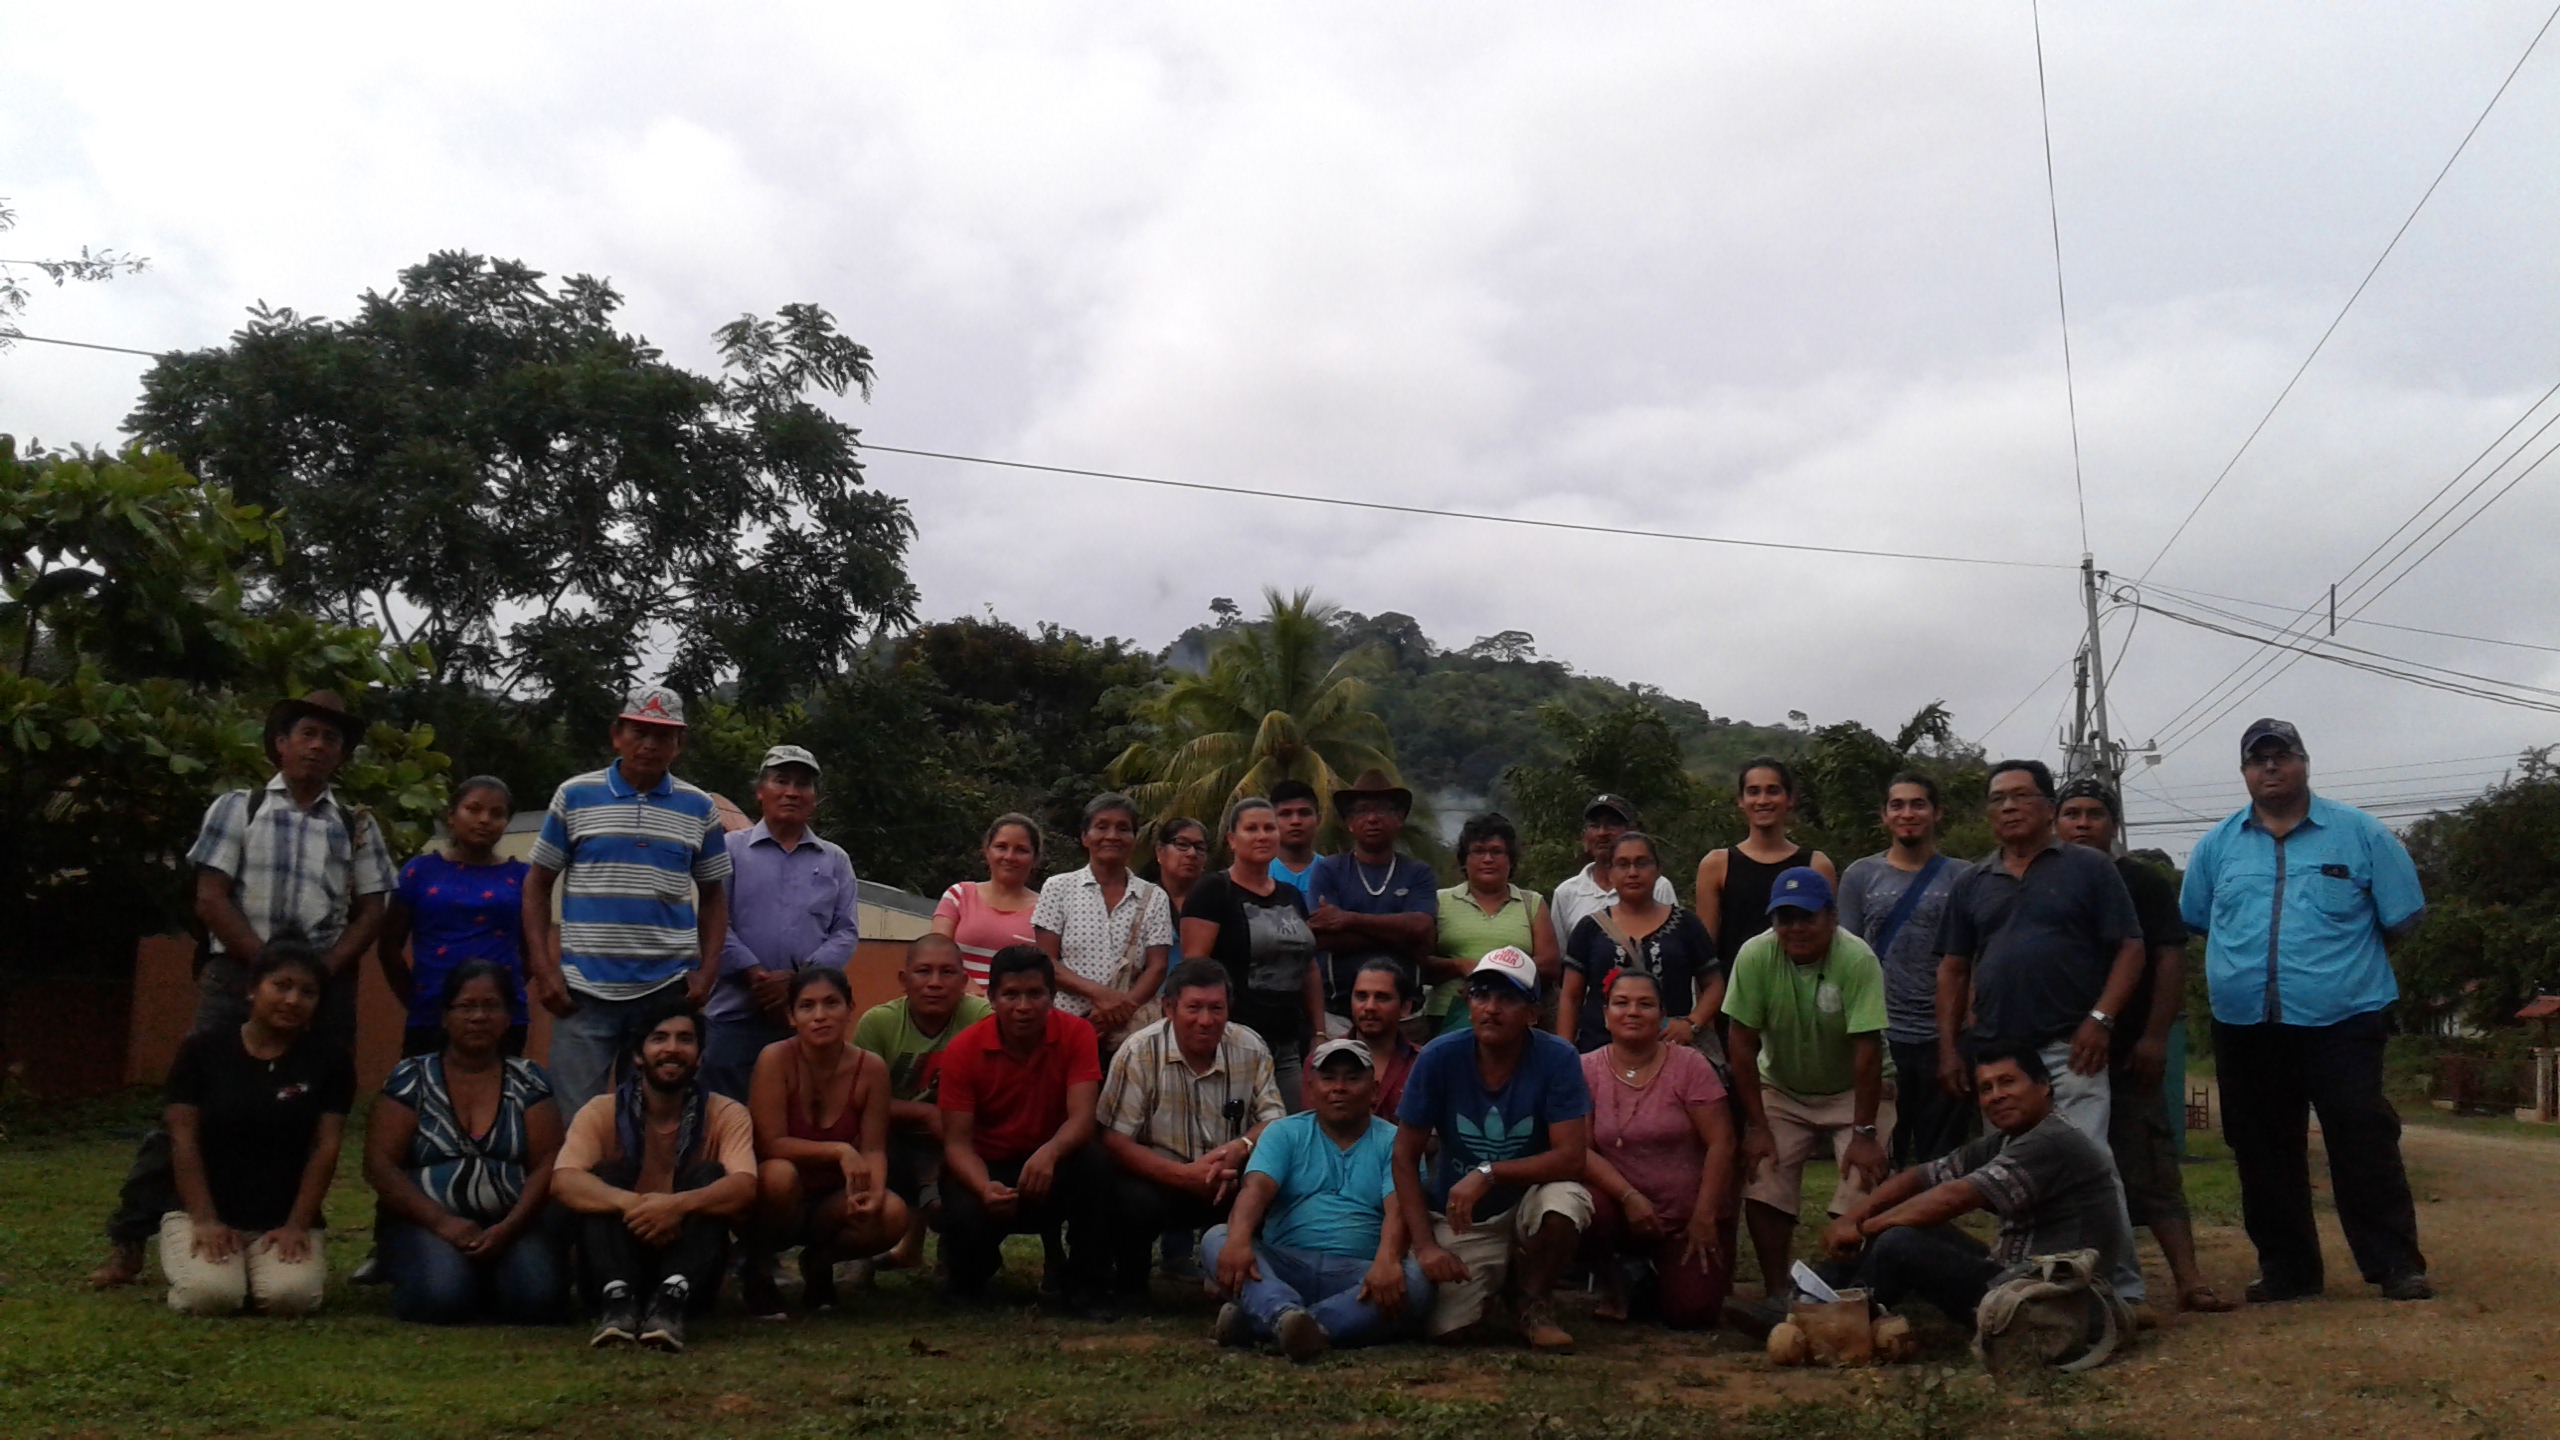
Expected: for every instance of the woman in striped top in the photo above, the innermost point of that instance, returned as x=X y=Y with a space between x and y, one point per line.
x=984 y=916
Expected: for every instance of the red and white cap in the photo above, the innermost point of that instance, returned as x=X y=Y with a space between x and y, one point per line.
x=654 y=705
x=1510 y=963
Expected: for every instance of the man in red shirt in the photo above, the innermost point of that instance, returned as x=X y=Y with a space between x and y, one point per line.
x=1384 y=995
x=1018 y=1151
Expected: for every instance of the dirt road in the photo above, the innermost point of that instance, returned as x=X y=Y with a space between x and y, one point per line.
x=2477 y=1362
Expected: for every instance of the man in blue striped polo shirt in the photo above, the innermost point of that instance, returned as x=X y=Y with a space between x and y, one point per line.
x=630 y=847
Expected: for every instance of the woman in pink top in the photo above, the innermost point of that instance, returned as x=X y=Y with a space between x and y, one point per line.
x=1661 y=1164
x=984 y=916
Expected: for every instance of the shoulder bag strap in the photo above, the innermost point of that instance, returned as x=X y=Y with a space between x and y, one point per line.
x=1909 y=902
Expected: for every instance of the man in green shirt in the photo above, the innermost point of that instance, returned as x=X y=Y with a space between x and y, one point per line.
x=909 y=1033
x=1806 y=1006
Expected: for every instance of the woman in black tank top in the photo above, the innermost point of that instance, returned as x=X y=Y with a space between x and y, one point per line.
x=1734 y=884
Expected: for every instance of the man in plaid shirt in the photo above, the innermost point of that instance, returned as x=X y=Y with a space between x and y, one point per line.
x=287 y=857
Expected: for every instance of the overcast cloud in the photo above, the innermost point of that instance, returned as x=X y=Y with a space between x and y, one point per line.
x=1774 y=272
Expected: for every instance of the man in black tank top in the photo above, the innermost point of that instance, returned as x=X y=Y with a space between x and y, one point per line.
x=1734 y=883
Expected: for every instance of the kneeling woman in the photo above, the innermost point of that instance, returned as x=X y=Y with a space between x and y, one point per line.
x=1661 y=1164
x=821 y=1108
x=459 y=1148
x=255 y=1116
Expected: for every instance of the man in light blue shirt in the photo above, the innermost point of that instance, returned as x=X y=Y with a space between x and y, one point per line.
x=2300 y=899
x=793 y=902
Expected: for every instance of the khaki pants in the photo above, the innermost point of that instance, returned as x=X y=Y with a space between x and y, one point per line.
x=253 y=1276
x=1798 y=1126
x=1489 y=1246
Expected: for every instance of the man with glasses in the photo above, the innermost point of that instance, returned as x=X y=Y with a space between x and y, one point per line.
x=2301 y=900
x=2042 y=945
x=1371 y=900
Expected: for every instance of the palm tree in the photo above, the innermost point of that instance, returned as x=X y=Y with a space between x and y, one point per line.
x=1269 y=708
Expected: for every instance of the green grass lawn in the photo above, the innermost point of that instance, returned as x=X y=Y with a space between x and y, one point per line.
x=896 y=1361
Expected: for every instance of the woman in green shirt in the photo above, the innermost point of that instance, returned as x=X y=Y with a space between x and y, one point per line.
x=1485 y=913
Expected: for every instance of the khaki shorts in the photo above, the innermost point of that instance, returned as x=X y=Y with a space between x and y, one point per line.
x=1799 y=1126
x=253 y=1277
x=1488 y=1248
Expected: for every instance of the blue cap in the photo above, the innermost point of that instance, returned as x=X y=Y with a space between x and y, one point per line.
x=1801 y=888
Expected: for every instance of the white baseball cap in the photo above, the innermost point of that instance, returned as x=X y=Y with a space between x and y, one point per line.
x=1512 y=964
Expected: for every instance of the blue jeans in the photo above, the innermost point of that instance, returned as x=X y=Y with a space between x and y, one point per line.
x=434 y=1284
x=1326 y=1287
x=729 y=1063
x=587 y=1042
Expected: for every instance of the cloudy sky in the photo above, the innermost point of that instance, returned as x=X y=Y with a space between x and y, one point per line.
x=1777 y=273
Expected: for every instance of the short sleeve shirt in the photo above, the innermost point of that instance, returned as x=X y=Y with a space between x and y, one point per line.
x=1154 y=1097
x=728 y=1138
x=2052 y=1187
x=2155 y=904
x=913 y=1057
x=980 y=929
x=2294 y=927
x=1403 y=886
x=292 y=869
x=1445 y=1095
x=2042 y=944
x=1808 y=1016
x=478 y=1177
x=1870 y=890
x=629 y=862
x=1018 y=1104
x=1679 y=953
x=461 y=912
x=1093 y=934
x=1647 y=1134
x=1330 y=1200
x=1265 y=946
x=256 y=1119
x=1578 y=894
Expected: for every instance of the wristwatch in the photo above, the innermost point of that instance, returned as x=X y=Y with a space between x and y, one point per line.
x=1485 y=1169
x=1869 y=1131
x=2105 y=1020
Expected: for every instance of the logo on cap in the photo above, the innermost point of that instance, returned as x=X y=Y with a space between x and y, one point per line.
x=655 y=705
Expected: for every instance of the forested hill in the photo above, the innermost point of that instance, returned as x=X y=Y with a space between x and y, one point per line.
x=1461 y=717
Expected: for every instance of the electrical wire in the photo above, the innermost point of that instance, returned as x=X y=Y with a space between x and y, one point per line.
x=2192 y=596
x=2061 y=300
x=2355 y=295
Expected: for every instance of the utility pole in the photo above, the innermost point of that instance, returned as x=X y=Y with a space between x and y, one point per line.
x=2091 y=748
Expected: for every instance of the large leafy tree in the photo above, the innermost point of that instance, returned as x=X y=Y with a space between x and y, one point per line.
x=485 y=463
x=2491 y=871
x=1627 y=749
x=1277 y=702
x=134 y=682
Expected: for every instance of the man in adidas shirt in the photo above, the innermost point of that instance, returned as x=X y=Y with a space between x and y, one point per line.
x=1507 y=1103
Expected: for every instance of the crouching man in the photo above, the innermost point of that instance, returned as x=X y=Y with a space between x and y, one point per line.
x=2051 y=1186
x=1314 y=1254
x=1507 y=1103
x=655 y=1170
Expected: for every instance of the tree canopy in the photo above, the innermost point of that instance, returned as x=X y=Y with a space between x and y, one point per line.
x=2491 y=872
x=485 y=464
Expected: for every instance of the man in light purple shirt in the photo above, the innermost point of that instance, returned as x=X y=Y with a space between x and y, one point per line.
x=792 y=903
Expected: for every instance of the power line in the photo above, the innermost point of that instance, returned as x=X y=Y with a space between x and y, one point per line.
x=2356 y=295
x=2456 y=687
x=2192 y=596
x=9 y=334
x=2061 y=303
x=1394 y=509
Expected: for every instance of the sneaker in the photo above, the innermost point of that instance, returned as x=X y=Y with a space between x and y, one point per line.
x=817 y=1278
x=2263 y=1291
x=1302 y=1339
x=2409 y=1286
x=620 y=1322
x=1538 y=1326
x=371 y=1272
x=1234 y=1328
x=763 y=1298
x=664 y=1329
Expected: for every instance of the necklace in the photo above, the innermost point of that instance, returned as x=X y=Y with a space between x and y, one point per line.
x=1380 y=888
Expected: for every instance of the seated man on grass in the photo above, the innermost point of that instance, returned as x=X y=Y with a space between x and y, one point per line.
x=2050 y=1185
x=910 y=1034
x=1018 y=1149
x=1186 y=1100
x=1507 y=1103
x=1314 y=1255
x=656 y=1170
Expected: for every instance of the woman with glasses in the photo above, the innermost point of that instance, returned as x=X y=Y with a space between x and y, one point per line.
x=1482 y=914
x=459 y=1148
x=1638 y=933
x=1182 y=854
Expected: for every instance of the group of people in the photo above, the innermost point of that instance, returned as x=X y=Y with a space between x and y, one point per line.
x=1358 y=1104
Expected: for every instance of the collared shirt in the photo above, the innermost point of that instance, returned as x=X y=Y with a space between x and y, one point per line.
x=1467 y=933
x=787 y=909
x=2042 y=944
x=1578 y=895
x=1155 y=1098
x=1016 y=1105
x=293 y=867
x=1094 y=934
x=628 y=862
x=2294 y=927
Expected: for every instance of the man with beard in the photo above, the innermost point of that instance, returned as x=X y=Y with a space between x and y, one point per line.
x=1383 y=997
x=656 y=1170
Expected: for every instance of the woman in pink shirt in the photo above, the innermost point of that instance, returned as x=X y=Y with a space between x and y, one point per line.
x=984 y=916
x=1661 y=1164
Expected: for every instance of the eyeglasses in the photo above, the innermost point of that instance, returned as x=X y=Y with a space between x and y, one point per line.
x=2271 y=759
x=2014 y=797
x=1188 y=847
